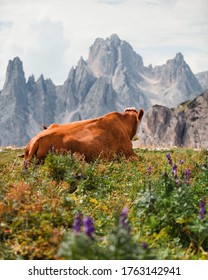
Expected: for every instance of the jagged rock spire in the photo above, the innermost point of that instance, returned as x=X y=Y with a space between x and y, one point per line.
x=14 y=73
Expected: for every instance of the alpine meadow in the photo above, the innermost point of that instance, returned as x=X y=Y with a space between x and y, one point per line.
x=153 y=208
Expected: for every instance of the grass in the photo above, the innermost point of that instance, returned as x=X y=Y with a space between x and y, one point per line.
x=38 y=206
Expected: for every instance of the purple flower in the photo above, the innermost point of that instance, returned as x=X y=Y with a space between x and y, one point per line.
x=169 y=159
x=187 y=174
x=25 y=165
x=202 y=208
x=144 y=245
x=149 y=169
x=89 y=226
x=181 y=161
x=177 y=181
x=124 y=222
x=77 y=224
x=174 y=170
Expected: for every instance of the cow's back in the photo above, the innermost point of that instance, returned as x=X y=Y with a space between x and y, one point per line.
x=106 y=135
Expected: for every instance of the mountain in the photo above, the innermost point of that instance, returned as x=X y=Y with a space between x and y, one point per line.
x=13 y=105
x=202 y=77
x=112 y=78
x=173 y=83
x=185 y=125
x=106 y=81
x=24 y=105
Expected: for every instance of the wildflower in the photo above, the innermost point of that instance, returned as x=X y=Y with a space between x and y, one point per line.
x=89 y=226
x=177 y=181
x=202 y=208
x=174 y=170
x=149 y=169
x=144 y=245
x=77 y=224
x=169 y=159
x=181 y=161
x=187 y=174
x=25 y=166
x=124 y=222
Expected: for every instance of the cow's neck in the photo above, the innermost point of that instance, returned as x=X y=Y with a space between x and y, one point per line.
x=131 y=125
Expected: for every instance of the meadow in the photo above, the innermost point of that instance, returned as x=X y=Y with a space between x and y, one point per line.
x=153 y=208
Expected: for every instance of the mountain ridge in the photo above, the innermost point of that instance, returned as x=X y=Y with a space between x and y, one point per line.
x=112 y=78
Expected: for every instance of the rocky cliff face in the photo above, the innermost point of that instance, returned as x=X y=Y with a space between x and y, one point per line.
x=105 y=82
x=174 y=82
x=202 y=77
x=41 y=103
x=112 y=78
x=185 y=125
x=24 y=105
x=13 y=104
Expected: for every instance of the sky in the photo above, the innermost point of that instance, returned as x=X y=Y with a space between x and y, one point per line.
x=50 y=36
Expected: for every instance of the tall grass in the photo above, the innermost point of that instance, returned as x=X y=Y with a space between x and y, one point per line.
x=154 y=208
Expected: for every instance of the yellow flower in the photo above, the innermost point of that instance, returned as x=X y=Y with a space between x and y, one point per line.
x=93 y=200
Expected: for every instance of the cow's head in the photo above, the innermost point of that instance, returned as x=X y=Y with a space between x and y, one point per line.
x=135 y=117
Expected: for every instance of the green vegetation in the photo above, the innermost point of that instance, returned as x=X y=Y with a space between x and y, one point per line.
x=153 y=208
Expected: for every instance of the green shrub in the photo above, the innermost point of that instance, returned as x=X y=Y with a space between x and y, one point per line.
x=38 y=204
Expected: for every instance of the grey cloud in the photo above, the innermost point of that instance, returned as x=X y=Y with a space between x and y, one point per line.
x=50 y=50
x=111 y=2
x=5 y=24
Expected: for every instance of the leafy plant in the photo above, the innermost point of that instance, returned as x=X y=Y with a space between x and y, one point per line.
x=163 y=189
x=118 y=244
x=171 y=205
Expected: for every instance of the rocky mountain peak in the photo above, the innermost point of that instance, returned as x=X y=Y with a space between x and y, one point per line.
x=175 y=81
x=179 y=58
x=81 y=64
x=15 y=65
x=111 y=79
x=14 y=89
x=14 y=74
x=13 y=102
x=40 y=79
x=178 y=64
x=105 y=56
x=31 y=80
x=114 y=39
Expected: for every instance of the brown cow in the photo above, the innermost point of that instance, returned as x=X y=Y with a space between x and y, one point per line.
x=105 y=136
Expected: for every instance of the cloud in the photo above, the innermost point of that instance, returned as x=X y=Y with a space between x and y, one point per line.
x=49 y=50
x=111 y=2
x=5 y=25
x=50 y=36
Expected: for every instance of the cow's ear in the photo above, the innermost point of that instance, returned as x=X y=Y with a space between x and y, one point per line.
x=140 y=114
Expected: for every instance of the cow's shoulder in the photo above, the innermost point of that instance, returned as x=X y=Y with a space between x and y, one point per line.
x=110 y=117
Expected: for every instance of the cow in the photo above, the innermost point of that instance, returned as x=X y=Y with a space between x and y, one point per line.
x=105 y=136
